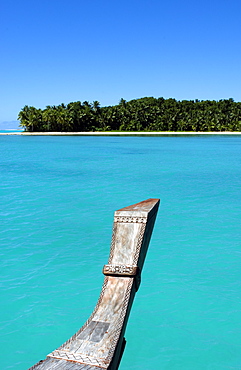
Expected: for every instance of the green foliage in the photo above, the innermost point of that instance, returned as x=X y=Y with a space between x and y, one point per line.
x=145 y=114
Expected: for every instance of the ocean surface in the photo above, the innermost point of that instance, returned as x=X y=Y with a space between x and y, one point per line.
x=11 y=130
x=58 y=197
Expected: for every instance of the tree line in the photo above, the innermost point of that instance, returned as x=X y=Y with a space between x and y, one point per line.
x=145 y=114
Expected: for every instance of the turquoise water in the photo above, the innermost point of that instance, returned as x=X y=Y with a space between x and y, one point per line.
x=11 y=130
x=58 y=196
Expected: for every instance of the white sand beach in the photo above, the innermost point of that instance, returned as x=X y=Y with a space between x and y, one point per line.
x=121 y=133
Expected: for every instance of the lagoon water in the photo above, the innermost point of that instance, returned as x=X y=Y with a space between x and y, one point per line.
x=58 y=196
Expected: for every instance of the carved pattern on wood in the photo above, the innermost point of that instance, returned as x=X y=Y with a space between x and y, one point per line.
x=130 y=219
x=120 y=321
x=83 y=359
x=112 y=246
x=123 y=270
x=139 y=244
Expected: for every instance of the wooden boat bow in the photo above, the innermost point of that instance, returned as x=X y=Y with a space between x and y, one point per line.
x=100 y=342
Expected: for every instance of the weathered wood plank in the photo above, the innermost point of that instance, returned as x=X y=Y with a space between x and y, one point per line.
x=100 y=342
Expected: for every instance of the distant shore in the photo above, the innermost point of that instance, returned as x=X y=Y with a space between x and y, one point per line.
x=121 y=133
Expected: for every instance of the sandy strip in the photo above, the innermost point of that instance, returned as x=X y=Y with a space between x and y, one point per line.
x=127 y=133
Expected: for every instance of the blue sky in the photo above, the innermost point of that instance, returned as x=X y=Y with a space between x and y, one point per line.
x=62 y=51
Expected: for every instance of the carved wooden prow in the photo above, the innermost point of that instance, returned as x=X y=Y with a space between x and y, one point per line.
x=99 y=344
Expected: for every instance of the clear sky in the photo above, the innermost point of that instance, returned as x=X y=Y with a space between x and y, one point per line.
x=55 y=52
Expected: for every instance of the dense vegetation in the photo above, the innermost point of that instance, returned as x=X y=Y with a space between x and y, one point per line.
x=145 y=114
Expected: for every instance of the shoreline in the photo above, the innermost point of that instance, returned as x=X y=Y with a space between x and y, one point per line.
x=126 y=133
